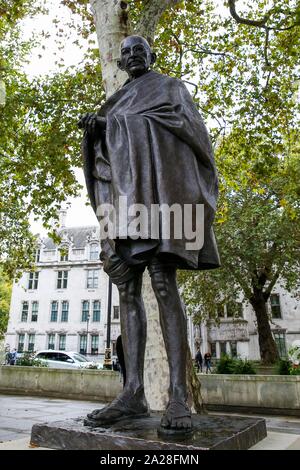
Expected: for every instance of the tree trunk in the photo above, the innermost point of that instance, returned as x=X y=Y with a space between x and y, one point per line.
x=193 y=386
x=267 y=345
x=112 y=26
x=150 y=17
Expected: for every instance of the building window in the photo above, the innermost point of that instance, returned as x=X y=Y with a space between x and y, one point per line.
x=64 y=254
x=21 y=341
x=279 y=338
x=213 y=350
x=31 y=339
x=62 y=342
x=78 y=252
x=24 y=315
x=62 y=279
x=233 y=348
x=114 y=348
x=33 y=281
x=96 y=310
x=94 y=252
x=95 y=344
x=49 y=254
x=54 y=311
x=37 y=255
x=34 y=311
x=64 y=311
x=82 y=344
x=116 y=312
x=234 y=309
x=51 y=341
x=92 y=278
x=85 y=314
x=275 y=306
x=222 y=348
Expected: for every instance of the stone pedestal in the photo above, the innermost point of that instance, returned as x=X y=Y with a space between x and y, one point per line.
x=209 y=433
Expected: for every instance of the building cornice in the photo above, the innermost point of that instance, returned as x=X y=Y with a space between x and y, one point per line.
x=64 y=265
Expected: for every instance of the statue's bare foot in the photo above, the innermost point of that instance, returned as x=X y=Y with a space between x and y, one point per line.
x=177 y=417
x=124 y=406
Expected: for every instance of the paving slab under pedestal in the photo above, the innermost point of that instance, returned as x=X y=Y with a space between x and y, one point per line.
x=209 y=433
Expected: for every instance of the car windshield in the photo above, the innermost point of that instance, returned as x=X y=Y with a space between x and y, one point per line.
x=79 y=358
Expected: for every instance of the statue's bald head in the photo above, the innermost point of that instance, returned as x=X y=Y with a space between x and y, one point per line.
x=135 y=39
x=136 y=56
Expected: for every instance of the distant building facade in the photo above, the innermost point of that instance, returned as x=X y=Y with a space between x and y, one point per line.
x=63 y=303
x=236 y=333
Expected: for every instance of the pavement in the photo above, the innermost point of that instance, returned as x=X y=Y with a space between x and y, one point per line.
x=19 y=413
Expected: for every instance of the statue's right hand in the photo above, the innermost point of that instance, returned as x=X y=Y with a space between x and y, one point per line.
x=92 y=123
x=84 y=120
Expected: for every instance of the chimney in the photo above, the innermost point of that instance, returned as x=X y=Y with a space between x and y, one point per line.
x=62 y=218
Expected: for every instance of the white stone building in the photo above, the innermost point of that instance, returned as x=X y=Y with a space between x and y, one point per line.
x=63 y=303
x=237 y=335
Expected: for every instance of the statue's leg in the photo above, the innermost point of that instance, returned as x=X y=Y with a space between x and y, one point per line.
x=134 y=332
x=174 y=329
x=131 y=402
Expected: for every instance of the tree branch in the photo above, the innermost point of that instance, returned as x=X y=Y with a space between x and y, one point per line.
x=268 y=291
x=268 y=80
x=194 y=85
x=266 y=48
x=180 y=49
x=241 y=282
x=202 y=50
x=288 y=27
x=258 y=23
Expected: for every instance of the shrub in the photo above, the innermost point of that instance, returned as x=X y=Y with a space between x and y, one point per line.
x=225 y=365
x=294 y=370
x=229 y=365
x=283 y=367
x=294 y=354
x=27 y=359
x=90 y=366
x=243 y=367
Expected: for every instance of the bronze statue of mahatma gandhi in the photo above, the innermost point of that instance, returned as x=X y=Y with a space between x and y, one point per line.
x=148 y=142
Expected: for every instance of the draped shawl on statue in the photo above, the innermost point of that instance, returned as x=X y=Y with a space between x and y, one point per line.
x=156 y=151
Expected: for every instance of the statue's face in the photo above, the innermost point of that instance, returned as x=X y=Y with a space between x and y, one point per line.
x=136 y=56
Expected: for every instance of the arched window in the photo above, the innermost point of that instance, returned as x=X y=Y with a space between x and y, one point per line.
x=94 y=252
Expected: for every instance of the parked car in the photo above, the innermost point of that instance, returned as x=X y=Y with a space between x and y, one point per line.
x=65 y=360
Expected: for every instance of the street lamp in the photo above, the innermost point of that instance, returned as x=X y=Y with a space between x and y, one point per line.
x=107 y=355
x=87 y=332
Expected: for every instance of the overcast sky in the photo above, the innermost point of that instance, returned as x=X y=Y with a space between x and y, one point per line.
x=41 y=62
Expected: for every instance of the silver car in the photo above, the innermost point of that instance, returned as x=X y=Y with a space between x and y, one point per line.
x=65 y=360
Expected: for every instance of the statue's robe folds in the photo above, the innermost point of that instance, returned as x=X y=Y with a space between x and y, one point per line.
x=156 y=150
